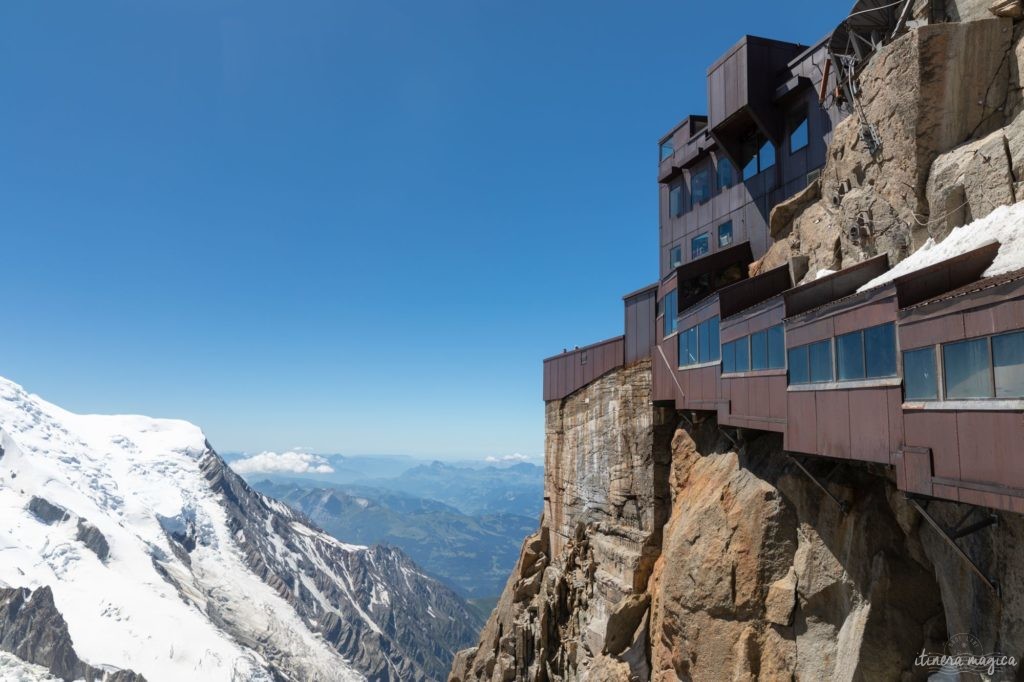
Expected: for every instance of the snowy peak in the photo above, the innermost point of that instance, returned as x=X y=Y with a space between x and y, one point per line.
x=161 y=560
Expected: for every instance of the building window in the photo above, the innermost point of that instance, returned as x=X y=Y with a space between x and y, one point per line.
x=757 y=155
x=920 y=381
x=670 y=311
x=699 y=245
x=700 y=187
x=867 y=354
x=811 y=363
x=798 y=135
x=799 y=369
x=966 y=367
x=699 y=343
x=583 y=358
x=665 y=150
x=675 y=257
x=726 y=177
x=759 y=350
x=725 y=234
x=675 y=198
x=1008 y=364
x=776 y=347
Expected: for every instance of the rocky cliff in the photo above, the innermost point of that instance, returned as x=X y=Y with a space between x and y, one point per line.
x=674 y=550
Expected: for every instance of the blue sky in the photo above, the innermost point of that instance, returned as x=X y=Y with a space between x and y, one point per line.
x=352 y=227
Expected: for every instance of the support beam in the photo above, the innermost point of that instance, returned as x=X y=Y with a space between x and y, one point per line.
x=842 y=505
x=956 y=548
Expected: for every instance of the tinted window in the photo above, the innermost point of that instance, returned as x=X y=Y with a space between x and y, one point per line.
x=700 y=187
x=704 y=341
x=850 y=353
x=666 y=150
x=699 y=245
x=713 y=331
x=729 y=357
x=798 y=138
x=798 y=368
x=766 y=155
x=691 y=345
x=743 y=354
x=684 y=350
x=675 y=199
x=671 y=311
x=776 y=347
x=725 y=234
x=726 y=178
x=820 y=357
x=748 y=157
x=1008 y=362
x=675 y=257
x=966 y=367
x=759 y=350
x=880 y=351
x=919 y=377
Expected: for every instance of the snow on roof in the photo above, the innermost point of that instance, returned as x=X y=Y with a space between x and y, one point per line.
x=1005 y=225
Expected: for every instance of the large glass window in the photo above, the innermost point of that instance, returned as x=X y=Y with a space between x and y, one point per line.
x=820 y=357
x=700 y=187
x=759 y=350
x=966 y=369
x=729 y=357
x=766 y=155
x=715 y=343
x=776 y=347
x=665 y=150
x=726 y=176
x=707 y=333
x=688 y=350
x=699 y=245
x=799 y=369
x=798 y=135
x=675 y=257
x=742 y=354
x=880 y=351
x=725 y=234
x=920 y=382
x=850 y=352
x=1008 y=364
x=670 y=310
x=675 y=198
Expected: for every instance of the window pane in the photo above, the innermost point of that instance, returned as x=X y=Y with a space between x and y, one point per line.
x=776 y=347
x=880 y=351
x=699 y=245
x=748 y=157
x=798 y=371
x=666 y=150
x=691 y=345
x=729 y=357
x=726 y=177
x=919 y=377
x=683 y=350
x=704 y=339
x=675 y=199
x=714 y=333
x=967 y=369
x=750 y=170
x=1008 y=358
x=850 y=349
x=820 y=357
x=725 y=234
x=700 y=187
x=766 y=156
x=675 y=257
x=743 y=354
x=759 y=350
x=798 y=138
x=671 y=311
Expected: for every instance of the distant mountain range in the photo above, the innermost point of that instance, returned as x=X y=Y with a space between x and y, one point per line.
x=473 y=554
x=464 y=523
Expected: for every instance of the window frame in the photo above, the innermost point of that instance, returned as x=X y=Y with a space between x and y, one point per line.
x=991 y=368
x=666 y=331
x=936 y=372
x=675 y=188
x=675 y=263
x=662 y=147
x=706 y=194
x=707 y=245
x=719 y=230
x=800 y=118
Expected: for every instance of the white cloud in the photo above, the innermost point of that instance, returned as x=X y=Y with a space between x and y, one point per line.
x=283 y=462
x=514 y=457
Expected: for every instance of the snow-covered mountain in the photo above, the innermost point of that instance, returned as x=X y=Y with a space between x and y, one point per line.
x=147 y=554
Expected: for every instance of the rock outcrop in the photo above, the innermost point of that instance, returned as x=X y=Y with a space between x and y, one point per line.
x=34 y=630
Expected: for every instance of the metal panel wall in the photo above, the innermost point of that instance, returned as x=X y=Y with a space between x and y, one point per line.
x=640 y=310
x=566 y=373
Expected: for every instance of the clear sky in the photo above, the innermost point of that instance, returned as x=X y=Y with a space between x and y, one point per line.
x=355 y=227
